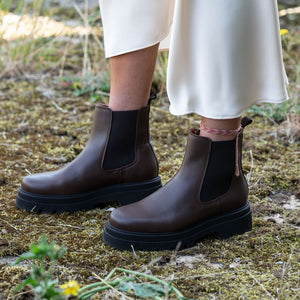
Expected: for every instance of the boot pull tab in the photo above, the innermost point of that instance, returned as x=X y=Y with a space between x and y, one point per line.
x=245 y=122
x=151 y=97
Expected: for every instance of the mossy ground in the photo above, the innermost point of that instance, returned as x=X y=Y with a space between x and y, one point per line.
x=44 y=126
x=39 y=134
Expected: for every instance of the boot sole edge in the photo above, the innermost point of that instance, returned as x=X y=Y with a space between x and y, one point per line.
x=123 y=193
x=232 y=223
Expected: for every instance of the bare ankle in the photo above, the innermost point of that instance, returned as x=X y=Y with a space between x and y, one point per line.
x=220 y=130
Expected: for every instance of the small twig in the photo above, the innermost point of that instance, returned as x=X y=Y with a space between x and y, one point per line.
x=293 y=226
x=71 y=226
x=103 y=93
x=87 y=27
x=15 y=228
x=86 y=40
x=20 y=294
x=79 y=11
x=134 y=253
x=257 y=181
x=63 y=59
x=261 y=285
x=174 y=254
x=59 y=108
x=28 y=171
x=151 y=263
x=199 y=276
x=284 y=270
x=249 y=175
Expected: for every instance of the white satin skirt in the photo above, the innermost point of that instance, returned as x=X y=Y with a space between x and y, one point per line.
x=224 y=56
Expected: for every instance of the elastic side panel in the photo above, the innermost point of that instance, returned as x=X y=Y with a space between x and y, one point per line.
x=120 y=149
x=220 y=169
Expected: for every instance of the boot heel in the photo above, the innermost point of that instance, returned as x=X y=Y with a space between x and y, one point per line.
x=234 y=227
x=140 y=191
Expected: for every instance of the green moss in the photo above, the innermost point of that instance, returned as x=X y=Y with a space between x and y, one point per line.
x=227 y=268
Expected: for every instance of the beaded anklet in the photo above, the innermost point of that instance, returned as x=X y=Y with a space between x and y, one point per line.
x=233 y=132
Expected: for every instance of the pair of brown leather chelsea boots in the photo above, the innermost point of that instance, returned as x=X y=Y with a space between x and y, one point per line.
x=207 y=196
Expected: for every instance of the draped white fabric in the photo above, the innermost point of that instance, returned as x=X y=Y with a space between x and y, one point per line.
x=224 y=55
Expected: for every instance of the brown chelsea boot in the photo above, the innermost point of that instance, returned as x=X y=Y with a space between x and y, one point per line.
x=118 y=163
x=208 y=195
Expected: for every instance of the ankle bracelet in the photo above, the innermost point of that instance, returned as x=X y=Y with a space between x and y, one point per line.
x=232 y=132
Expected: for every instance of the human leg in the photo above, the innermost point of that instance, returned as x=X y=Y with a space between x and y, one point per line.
x=118 y=162
x=131 y=78
x=209 y=193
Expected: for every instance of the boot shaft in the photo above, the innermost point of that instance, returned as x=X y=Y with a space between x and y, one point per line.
x=127 y=148
x=217 y=165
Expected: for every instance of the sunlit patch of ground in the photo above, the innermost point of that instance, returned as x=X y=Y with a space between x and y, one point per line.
x=14 y=26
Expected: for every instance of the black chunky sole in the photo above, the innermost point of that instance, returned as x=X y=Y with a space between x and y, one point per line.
x=224 y=226
x=124 y=193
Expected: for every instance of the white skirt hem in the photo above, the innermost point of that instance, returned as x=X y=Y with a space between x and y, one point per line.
x=175 y=112
x=144 y=45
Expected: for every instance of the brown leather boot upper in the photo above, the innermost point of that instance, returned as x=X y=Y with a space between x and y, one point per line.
x=87 y=173
x=178 y=205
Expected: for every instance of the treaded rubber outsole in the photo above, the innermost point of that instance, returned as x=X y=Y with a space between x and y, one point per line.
x=124 y=193
x=224 y=226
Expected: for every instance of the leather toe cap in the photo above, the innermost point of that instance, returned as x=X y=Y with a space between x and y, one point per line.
x=37 y=183
x=119 y=219
x=134 y=217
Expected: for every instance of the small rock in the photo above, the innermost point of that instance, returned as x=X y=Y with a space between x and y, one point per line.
x=293 y=203
x=46 y=92
x=233 y=265
x=217 y=266
x=188 y=260
x=275 y=219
